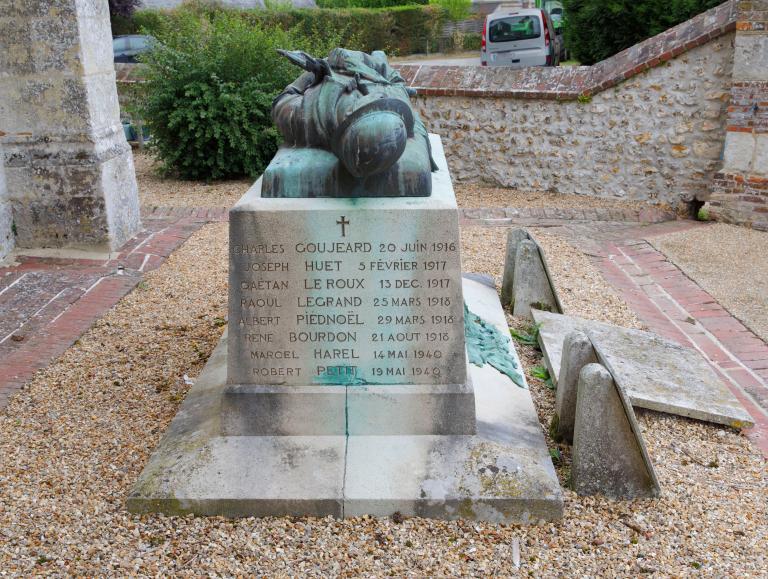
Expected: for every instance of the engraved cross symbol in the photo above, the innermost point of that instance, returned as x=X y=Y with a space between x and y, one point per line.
x=343 y=222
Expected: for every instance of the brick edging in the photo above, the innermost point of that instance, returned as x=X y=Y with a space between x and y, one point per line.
x=674 y=306
x=116 y=278
x=570 y=83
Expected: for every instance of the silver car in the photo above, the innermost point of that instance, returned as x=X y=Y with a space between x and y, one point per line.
x=519 y=38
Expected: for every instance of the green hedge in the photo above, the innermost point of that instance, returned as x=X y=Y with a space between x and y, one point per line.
x=399 y=30
x=367 y=3
x=596 y=29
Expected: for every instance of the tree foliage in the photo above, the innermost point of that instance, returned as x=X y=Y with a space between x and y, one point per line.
x=123 y=8
x=597 y=29
x=456 y=9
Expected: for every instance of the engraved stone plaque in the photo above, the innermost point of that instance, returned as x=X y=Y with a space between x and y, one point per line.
x=336 y=291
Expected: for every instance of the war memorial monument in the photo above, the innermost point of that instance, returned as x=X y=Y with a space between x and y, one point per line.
x=360 y=372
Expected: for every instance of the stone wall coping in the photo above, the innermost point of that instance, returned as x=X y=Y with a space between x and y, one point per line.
x=570 y=83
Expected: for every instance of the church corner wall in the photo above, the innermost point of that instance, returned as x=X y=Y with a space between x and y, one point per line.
x=739 y=192
x=6 y=217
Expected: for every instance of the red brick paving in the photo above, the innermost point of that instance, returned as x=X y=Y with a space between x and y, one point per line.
x=674 y=306
x=46 y=304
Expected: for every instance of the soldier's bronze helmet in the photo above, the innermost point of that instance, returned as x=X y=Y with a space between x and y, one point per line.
x=373 y=137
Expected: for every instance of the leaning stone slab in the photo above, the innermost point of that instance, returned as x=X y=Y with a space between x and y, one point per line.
x=609 y=455
x=514 y=238
x=656 y=374
x=503 y=473
x=531 y=285
x=577 y=353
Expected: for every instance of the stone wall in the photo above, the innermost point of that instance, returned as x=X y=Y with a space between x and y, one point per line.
x=646 y=124
x=657 y=136
x=68 y=168
x=740 y=189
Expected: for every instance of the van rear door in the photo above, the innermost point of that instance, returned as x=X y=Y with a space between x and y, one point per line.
x=515 y=40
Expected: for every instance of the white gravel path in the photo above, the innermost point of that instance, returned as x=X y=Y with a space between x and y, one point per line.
x=75 y=439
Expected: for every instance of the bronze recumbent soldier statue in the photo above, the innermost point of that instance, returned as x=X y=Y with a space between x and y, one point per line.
x=349 y=131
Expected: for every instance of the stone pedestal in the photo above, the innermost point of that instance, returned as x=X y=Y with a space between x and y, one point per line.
x=379 y=412
x=69 y=169
x=347 y=316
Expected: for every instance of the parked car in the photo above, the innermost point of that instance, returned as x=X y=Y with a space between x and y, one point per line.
x=128 y=47
x=519 y=38
x=557 y=13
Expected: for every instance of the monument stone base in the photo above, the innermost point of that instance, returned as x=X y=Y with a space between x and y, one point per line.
x=503 y=473
x=255 y=410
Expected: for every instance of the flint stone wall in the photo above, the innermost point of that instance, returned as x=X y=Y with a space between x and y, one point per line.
x=647 y=123
x=657 y=136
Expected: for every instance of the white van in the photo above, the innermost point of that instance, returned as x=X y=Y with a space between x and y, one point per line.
x=519 y=38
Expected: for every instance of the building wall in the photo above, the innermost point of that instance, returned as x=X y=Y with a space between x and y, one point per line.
x=740 y=189
x=6 y=217
x=648 y=123
x=68 y=168
x=656 y=136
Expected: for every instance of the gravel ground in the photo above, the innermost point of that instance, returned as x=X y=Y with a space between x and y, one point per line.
x=473 y=196
x=76 y=438
x=157 y=191
x=582 y=290
x=729 y=262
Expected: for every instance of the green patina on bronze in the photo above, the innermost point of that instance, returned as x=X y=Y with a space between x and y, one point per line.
x=349 y=131
x=487 y=345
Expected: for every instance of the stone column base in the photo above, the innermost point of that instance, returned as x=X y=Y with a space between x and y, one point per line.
x=69 y=194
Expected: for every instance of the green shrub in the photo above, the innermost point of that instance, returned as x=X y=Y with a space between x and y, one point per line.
x=367 y=3
x=596 y=29
x=396 y=30
x=209 y=90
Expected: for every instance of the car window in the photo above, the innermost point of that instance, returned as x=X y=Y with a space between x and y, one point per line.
x=514 y=28
x=119 y=44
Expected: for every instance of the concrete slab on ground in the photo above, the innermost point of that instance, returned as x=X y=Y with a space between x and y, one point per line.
x=656 y=373
x=503 y=473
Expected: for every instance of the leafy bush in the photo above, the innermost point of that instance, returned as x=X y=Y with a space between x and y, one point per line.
x=396 y=30
x=472 y=41
x=596 y=29
x=367 y=3
x=209 y=90
x=120 y=13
